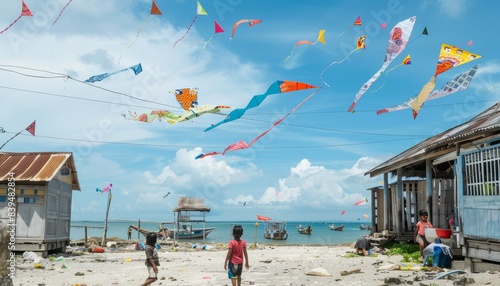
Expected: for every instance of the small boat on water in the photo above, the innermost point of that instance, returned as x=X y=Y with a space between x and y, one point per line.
x=336 y=227
x=365 y=227
x=186 y=232
x=304 y=230
x=275 y=230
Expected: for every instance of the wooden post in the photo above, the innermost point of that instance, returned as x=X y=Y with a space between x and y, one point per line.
x=138 y=232
x=103 y=243
x=85 y=237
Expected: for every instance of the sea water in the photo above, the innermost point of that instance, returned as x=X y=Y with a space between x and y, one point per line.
x=321 y=232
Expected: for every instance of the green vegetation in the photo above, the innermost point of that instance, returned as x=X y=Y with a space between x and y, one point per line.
x=410 y=252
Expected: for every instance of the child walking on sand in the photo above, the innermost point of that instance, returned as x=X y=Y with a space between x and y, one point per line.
x=420 y=228
x=152 y=261
x=236 y=254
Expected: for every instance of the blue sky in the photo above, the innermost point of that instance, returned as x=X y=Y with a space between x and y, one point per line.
x=309 y=168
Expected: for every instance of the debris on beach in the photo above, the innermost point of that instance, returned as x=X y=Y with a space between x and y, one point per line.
x=319 y=272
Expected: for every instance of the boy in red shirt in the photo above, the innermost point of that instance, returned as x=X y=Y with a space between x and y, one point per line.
x=235 y=254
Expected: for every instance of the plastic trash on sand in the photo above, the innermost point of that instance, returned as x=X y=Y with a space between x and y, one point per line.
x=30 y=255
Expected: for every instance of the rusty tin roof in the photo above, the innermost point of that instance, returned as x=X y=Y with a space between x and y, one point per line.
x=484 y=125
x=37 y=166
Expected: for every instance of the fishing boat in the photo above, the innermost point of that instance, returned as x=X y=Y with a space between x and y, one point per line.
x=275 y=230
x=365 y=227
x=186 y=231
x=336 y=227
x=304 y=230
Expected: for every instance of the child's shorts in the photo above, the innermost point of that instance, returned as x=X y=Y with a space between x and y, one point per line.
x=152 y=273
x=234 y=270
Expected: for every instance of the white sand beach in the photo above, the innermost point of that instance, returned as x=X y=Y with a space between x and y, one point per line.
x=269 y=265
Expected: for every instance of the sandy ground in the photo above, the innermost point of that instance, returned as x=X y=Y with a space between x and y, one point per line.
x=269 y=265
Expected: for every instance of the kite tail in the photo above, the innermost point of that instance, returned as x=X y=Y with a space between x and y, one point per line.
x=422 y=96
x=11 y=24
x=138 y=32
x=187 y=31
x=204 y=46
x=60 y=13
x=321 y=76
x=290 y=55
x=367 y=85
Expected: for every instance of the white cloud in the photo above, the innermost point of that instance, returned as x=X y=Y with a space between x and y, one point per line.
x=312 y=186
x=452 y=8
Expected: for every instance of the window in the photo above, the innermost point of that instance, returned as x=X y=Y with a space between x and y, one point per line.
x=65 y=171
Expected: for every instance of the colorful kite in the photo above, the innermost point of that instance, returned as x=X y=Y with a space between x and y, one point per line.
x=136 y=68
x=60 y=13
x=218 y=29
x=461 y=82
x=105 y=189
x=250 y=24
x=365 y=216
x=187 y=99
x=199 y=11
x=360 y=43
x=398 y=39
x=263 y=218
x=406 y=61
x=321 y=39
x=243 y=145
x=362 y=202
x=342 y=212
x=279 y=86
x=357 y=22
x=449 y=57
x=25 y=11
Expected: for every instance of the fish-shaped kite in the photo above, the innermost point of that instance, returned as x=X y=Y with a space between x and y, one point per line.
x=243 y=145
x=25 y=11
x=360 y=43
x=199 y=11
x=398 y=39
x=461 y=82
x=187 y=99
x=321 y=39
x=361 y=202
x=449 y=57
x=105 y=189
x=136 y=68
x=280 y=86
x=250 y=22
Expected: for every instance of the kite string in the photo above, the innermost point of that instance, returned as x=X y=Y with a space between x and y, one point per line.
x=321 y=76
x=139 y=31
x=60 y=13
x=187 y=31
x=386 y=74
x=11 y=24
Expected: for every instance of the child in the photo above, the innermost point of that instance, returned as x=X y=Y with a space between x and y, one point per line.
x=363 y=246
x=234 y=258
x=420 y=228
x=152 y=261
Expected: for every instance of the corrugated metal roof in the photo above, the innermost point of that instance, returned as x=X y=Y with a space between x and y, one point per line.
x=486 y=123
x=37 y=167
